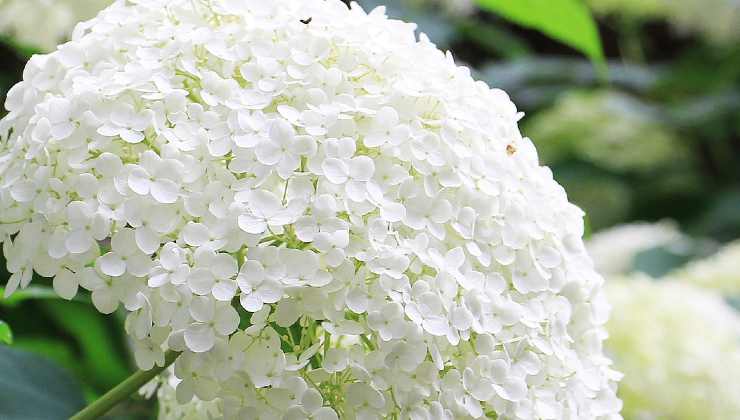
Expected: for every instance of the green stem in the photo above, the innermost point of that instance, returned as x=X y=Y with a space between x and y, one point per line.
x=123 y=390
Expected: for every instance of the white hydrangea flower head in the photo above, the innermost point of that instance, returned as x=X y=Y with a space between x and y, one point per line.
x=674 y=339
x=720 y=271
x=322 y=212
x=22 y=19
x=614 y=249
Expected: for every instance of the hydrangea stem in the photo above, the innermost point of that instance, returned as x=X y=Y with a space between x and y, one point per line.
x=123 y=390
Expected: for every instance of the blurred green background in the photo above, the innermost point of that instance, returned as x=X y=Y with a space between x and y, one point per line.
x=642 y=125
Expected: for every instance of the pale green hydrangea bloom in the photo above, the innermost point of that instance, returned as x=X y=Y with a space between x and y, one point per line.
x=608 y=128
x=22 y=20
x=720 y=271
x=679 y=349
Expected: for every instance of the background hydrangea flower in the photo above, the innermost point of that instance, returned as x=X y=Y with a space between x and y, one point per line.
x=22 y=19
x=671 y=338
x=607 y=128
x=633 y=238
x=720 y=271
x=444 y=259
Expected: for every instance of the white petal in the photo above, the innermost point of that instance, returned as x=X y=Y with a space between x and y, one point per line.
x=361 y=168
x=324 y=413
x=78 y=241
x=224 y=290
x=139 y=264
x=270 y=291
x=195 y=234
x=165 y=191
x=436 y=326
x=123 y=242
x=201 y=281
x=268 y=153
x=264 y=203
x=251 y=224
x=250 y=302
x=335 y=170
x=62 y=131
x=392 y=212
x=202 y=308
x=139 y=180
x=147 y=240
x=514 y=389
x=65 y=284
x=223 y=266
x=199 y=338
x=111 y=264
x=312 y=400
x=386 y=117
x=131 y=136
x=227 y=320
x=23 y=191
x=105 y=300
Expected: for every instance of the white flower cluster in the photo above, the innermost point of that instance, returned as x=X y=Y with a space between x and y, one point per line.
x=45 y=23
x=325 y=215
x=720 y=271
x=679 y=348
x=614 y=249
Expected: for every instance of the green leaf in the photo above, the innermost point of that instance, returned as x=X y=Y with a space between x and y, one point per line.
x=35 y=292
x=6 y=335
x=25 y=50
x=58 y=351
x=30 y=292
x=568 y=21
x=101 y=359
x=33 y=388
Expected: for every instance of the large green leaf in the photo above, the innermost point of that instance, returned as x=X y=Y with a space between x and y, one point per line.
x=29 y=293
x=568 y=21
x=101 y=358
x=33 y=388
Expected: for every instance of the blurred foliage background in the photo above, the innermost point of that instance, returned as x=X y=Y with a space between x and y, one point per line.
x=640 y=124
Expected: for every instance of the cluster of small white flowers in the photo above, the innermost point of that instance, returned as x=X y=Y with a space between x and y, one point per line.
x=679 y=348
x=325 y=215
x=165 y=388
x=614 y=249
x=45 y=23
x=720 y=271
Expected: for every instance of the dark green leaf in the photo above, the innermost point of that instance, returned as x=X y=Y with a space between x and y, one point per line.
x=33 y=388
x=101 y=359
x=568 y=21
